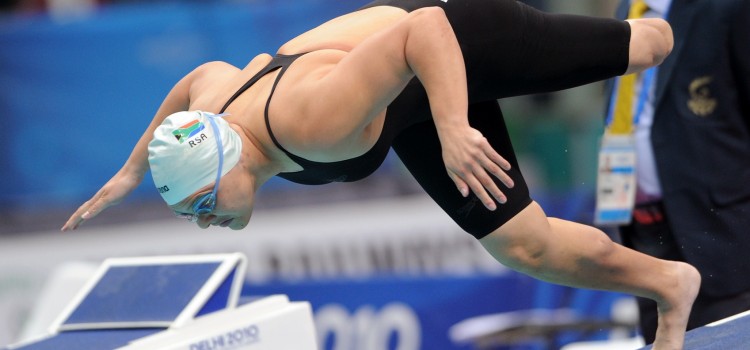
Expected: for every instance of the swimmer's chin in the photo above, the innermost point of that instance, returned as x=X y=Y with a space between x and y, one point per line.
x=237 y=225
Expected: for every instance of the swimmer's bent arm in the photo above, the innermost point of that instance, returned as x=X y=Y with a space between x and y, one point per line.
x=135 y=168
x=371 y=76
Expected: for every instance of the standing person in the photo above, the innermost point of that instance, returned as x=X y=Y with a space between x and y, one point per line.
x=423 y=77
x=692 y=142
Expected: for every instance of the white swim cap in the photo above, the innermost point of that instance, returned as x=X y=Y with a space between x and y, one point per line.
x=183 y=154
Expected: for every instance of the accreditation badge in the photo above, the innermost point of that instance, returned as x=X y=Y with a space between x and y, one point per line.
x=615 y=187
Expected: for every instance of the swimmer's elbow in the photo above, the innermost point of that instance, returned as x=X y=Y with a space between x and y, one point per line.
x=430 y=11
x=666 y=42
x=651 y=43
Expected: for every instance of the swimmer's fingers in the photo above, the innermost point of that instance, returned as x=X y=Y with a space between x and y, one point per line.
x=477 y=182
x=489 y=163
x=480 y=182
x=72 y=222
x=111 y=194
x=75 y=220
x=488 y=183
x=85 y=212
x=497 y=165
x=461 y=185
x=472 y=163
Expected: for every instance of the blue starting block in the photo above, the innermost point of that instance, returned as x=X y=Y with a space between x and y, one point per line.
x=729 y=333
x=175 y=302
x=526 y=327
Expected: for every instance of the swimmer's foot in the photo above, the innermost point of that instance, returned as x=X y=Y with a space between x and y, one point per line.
x=674 y=309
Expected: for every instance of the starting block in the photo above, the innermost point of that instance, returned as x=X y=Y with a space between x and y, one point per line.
x=728 y=333
x=176 y=302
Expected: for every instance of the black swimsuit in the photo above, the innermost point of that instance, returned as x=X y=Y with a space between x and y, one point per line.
x=318 y=173
x=509 y=49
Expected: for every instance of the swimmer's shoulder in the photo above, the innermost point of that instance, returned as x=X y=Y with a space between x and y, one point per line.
x=208 y=75
x=218 y=74
x=214 y=69
x=220 y=70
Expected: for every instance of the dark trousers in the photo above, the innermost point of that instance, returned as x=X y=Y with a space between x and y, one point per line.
x=650 y=234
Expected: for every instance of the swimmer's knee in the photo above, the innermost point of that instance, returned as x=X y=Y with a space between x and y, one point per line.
x=522 y=242
x=598 y=248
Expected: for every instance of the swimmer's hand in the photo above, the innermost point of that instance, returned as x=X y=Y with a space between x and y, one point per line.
x=112 y=193
x=471 y=162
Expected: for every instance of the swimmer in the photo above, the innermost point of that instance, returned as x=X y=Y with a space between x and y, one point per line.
x=422 y=77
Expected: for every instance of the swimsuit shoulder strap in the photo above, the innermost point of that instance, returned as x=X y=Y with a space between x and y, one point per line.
x=279 y=61
x=285 y=62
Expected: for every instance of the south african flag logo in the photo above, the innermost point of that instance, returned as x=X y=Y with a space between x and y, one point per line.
x=188 y=130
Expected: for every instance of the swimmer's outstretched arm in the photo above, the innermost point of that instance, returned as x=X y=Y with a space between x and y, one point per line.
x=132 y=173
